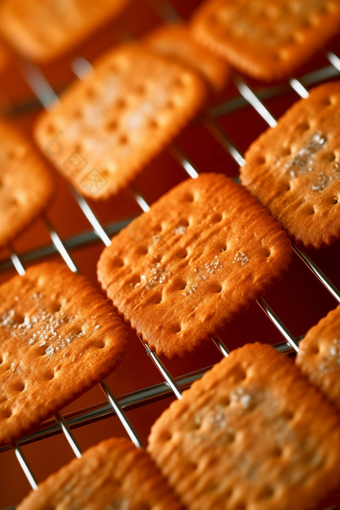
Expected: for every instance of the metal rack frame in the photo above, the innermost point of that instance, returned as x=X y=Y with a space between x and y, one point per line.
x=99 y=233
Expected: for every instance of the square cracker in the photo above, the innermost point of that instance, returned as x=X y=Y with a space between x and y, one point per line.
x=176 y=41
x=111 y=475
x=58 y=338
x=294 y=168
x=25 y=183
x=265 y=39
x=43 y=30
x=252 y=433
x=201 y=256
x=319 y=356
x=118 y=119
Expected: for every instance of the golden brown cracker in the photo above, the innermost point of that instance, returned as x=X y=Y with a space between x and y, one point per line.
x=202 y=255
x=319 y=356
x=58 y=338
x=25 y=183
x=267 y=40
x=44 y=30
x=250 y=434
x=176 y=41
x=294 y=168
x=116 y=121
x=112 y=475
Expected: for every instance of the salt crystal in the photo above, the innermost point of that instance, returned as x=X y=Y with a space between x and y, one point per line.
x=302 y=161
x=322 y=182
x=180 y=230
x=49 y=351
x=241 y=257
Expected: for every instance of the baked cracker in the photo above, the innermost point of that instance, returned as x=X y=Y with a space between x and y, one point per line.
x=58 y=338
x=118 y=119
x=176 y=41
x=294 y=168
x=44 y=30
x=201 y=256
x=252 y=433
x=25 y=183
x=265 y=39
x=111 y=475
x=319 y=356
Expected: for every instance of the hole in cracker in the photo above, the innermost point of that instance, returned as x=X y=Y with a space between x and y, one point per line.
x=175 y=328
x=77 y=114
x=121 y=104
x=304 y=126
x=216 y=218
x=224 y=247
x=170 y=105
x=325 y=101
x=189 y=198
x=259 y=160
x=287 y=415
x=277 y=451
x=217 y=288
x=141 y=90
x=153 y=124
x=19 y=386
x=182 y=285
x=13 y=202
x=6 y=413
x=142 y=250
x=123 y=140
x=335 y=200
x=50 y=129
x=192 y=466
x=117 y=262
x=112 y=125
x=100 y=344
x=312 y=211
x=331 y=156
x=288 y=187
x=267 y=492
x=49 y=375
x=182 y=254
x=240 y=506
x=90 y=93
x=314 y=350
x=286 y=151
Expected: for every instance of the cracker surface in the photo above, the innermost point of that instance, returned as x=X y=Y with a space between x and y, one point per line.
x=319 y=356
x=250 y=434
x=267 y=40
x=111 y=475
x=113 y=123
x=58 y=338
x=44 y=30
x=176 y=41
x=202 y=255
x=25 y=183
x=294 y=168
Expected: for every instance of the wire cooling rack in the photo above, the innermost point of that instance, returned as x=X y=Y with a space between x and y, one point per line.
x=210 y=121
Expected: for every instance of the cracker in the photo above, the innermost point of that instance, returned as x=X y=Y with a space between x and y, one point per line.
x=294 y=169
x=176 y=41
x=202 y=255
x=120 y=118
x=25 y=183
x=267 y=40
x=42 y=31
x=252 y=433
x=58 y=338
x=319 y=356
x=111 y=475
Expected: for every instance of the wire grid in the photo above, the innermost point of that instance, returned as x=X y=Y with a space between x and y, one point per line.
x=171 y=386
